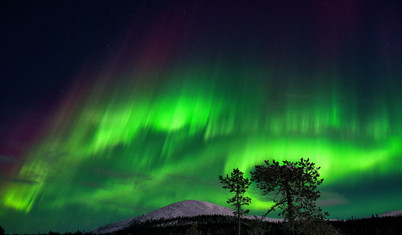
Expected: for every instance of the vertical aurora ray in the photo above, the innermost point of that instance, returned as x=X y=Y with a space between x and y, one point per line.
x=168 y=114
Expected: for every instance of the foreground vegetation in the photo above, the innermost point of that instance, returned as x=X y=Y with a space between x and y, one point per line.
x=219 y=224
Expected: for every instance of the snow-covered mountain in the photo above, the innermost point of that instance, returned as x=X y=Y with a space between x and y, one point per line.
x=187 y=208
x=392 y=213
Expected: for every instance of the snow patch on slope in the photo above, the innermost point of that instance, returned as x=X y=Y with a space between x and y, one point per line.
x=187 y=208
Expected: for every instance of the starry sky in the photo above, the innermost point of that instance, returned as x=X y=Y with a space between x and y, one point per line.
x=111 y=109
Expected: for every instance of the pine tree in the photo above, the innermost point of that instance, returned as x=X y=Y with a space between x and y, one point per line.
x=293 y=188
x=193 y=230
x=237 y=185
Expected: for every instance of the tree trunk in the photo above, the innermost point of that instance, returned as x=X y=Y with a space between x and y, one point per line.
x=238 y=214
x=290 y=216
x=238 y=225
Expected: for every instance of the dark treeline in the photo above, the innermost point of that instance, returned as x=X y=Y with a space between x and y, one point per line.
x=373 y=225
x=219 y=224
x=205 y=224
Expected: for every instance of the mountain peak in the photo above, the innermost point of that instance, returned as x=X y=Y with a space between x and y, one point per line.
x=188 y=208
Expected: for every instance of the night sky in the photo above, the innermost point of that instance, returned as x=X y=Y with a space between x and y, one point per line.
x=112 y=109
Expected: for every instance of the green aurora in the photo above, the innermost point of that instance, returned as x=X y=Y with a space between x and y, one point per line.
x=155 y=145
x=129 y=139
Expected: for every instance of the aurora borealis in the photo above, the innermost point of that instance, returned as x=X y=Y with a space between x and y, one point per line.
x=191 y=91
